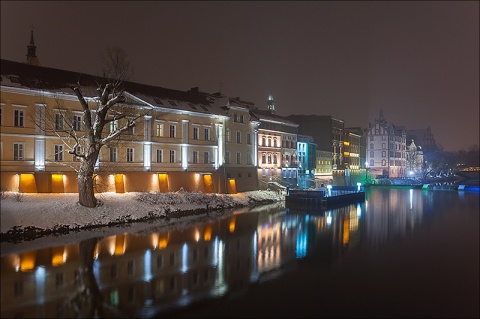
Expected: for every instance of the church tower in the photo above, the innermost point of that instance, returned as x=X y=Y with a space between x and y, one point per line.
x=31 y=55
x=271 y=104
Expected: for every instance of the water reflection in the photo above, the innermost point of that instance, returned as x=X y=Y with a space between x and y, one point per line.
x=143 y=275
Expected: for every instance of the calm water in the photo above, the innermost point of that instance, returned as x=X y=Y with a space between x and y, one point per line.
x=401 y=253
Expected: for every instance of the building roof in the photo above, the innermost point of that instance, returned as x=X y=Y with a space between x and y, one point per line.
x=23 y=75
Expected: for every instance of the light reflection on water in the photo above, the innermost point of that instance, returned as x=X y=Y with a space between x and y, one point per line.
x=145 y=275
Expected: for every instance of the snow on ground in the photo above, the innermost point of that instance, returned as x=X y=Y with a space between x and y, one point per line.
x=52 y=211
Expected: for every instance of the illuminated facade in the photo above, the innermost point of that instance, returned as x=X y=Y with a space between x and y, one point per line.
x=277 y=142
x=386 y=149
x=178 y=143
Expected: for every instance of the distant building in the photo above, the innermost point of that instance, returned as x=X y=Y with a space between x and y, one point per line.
x=277 y=147
x=307 y=153
x=386 y=149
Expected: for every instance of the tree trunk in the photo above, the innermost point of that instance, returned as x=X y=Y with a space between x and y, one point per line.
x=86 y=194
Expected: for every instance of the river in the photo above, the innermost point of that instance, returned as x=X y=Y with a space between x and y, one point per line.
x=401 y=253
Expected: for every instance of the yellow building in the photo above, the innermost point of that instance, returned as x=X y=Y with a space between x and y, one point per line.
x=178 y=141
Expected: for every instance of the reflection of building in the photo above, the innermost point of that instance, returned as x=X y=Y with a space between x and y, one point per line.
x=142 y=275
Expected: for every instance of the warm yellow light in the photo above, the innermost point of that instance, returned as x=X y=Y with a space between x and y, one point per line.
x=162 y=243
x=27 y=183
x=232 y=186
x=346 y=230
x=120 y=244
x=27 y=261
x=58 y=256
x=232 y=223
x=208 y=233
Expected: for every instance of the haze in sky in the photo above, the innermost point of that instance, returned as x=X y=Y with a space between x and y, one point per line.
x=417 y=61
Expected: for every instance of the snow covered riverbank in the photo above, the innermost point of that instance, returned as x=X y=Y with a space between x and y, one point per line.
x=36 y=215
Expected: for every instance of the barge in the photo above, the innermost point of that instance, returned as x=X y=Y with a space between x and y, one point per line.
x=335 y=196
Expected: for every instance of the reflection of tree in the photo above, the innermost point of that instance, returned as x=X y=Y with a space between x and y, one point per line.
x=87 y=300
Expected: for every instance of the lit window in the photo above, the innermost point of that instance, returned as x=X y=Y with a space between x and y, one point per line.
x=159 y=129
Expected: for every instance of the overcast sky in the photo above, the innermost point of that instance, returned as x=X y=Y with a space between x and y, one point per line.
x=417 y=61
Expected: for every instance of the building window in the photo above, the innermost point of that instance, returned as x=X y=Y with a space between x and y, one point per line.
x=207 y=134
x=239 y=137
x=113 y=126
x=269 y=158
x=235 y=119
x=195 y=157
x=228 y=136
x=264 y=160
x=227 y=157
x=241 y=118
x=249 y=158
x=129 y=154
x=384 y=162
x=195 y=133
x=77 y=123
x=172 y=156
x=159 y=156
x=18 y=120
x=206 y=157
x=131 y=130
x=264 y=141
x=384 y=153
x=249 y=138
x=239 y=158
x=18 y=151
x=372 y=154
x=113 y=154
x=274 y=158
x=173 y=132
x=78 y=150
x=58 y=155
x=159 y=129
x=58 y=121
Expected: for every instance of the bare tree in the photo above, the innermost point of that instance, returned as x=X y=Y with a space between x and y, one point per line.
x=102 y=120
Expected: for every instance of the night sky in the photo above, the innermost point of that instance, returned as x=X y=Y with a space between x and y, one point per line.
x=418 y=61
